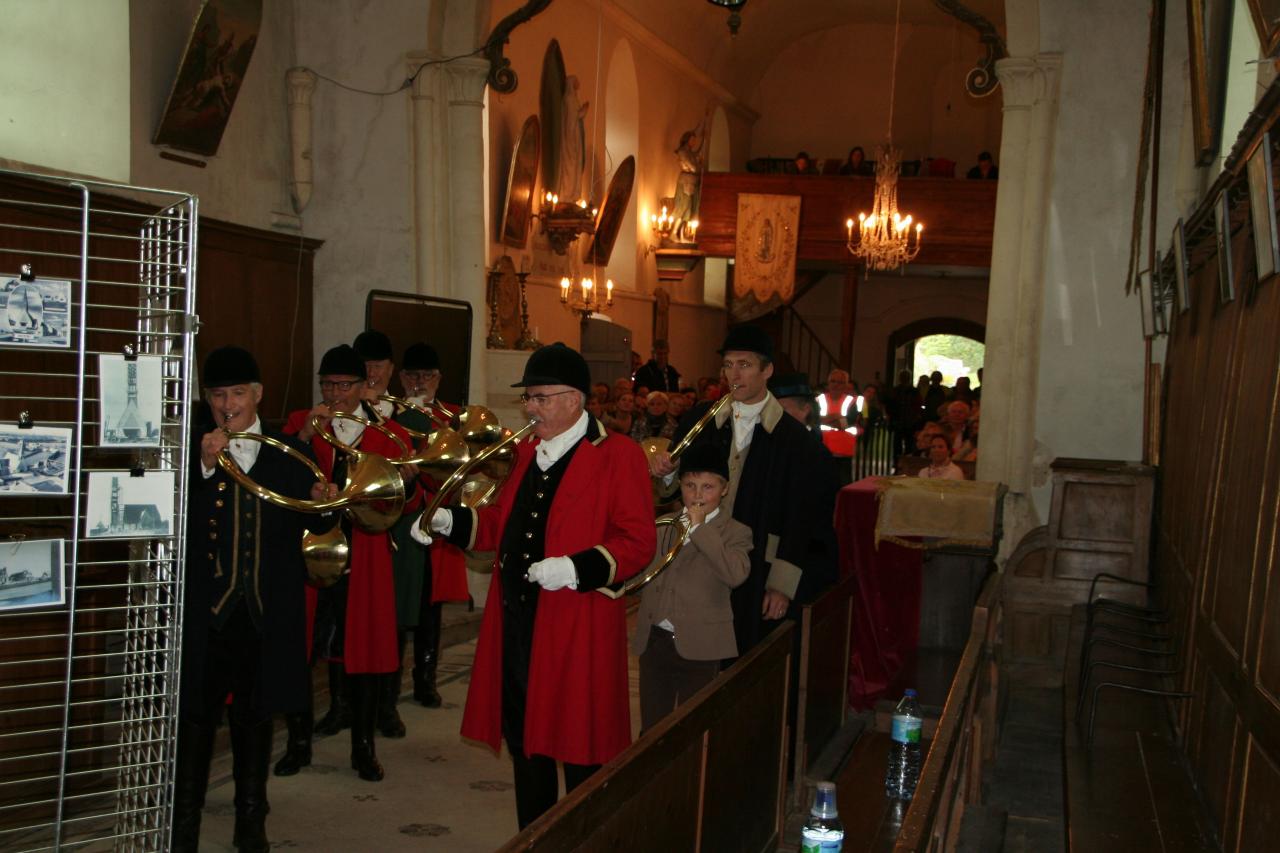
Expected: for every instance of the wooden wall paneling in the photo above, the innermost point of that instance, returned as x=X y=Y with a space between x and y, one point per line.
x=1259 y=824
x=1215 y=760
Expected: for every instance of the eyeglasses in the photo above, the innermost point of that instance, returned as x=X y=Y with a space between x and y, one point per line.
x=541 y=399
x=344 y=386
x=418 y=375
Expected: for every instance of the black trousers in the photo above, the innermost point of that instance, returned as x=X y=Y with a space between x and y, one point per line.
x=666 y=679
x=536 y=780
x=232 y=665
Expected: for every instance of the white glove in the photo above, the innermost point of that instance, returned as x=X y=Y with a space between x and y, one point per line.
x=442 y=522
x=416 y=534
x=554 y=573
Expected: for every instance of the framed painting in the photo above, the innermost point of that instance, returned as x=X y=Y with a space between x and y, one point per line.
x=1266 y=20
x=1262 y=210
x=1222 y=215
x=1209 y=37
x=611 y=212
x=521 y=181
x=209 y=78
x=1180 y=272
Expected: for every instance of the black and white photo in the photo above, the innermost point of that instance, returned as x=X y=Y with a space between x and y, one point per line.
x=1266 y=243
x=131 y=396
x=34 y=461
x=31 y=574
x=123 y=506
x=36 y=313
x=1226 y=272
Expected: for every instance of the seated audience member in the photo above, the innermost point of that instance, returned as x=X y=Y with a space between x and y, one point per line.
x=804 y=165
x=621 y=386
x=655 y=422
x=684 y=627
x=600 y=391
x=690 y=398
x=986 y=168
x=857 y=163
x=968 y=451
x=712 y=392
x=677 y=404
x=925 y=435
x=624 y=412
x=595 y=408
x=962 y=391
x=957 y=420
x=641 y=391
x=940 y=466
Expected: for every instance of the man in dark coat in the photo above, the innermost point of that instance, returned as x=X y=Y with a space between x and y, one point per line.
x=776 y=486
x=656 y=374
x=244 y=611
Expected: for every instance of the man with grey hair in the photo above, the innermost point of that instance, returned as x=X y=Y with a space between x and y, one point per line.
x=656 y=374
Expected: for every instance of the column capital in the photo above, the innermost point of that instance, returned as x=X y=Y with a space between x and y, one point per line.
x=301 y=83
x=1028 y=80
x=424 y=76
x=466 y=79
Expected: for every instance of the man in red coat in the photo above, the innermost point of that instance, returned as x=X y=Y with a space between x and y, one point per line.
x=550 y=672
x=356 y=617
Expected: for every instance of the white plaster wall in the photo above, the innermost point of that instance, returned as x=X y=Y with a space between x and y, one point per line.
x=361 y=205
x=1090 y=381
x=65 y=80
x=245 y=181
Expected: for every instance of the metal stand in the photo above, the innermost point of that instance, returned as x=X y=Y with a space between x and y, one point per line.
x=495 y=339
x=90 y=676
x=526 y=339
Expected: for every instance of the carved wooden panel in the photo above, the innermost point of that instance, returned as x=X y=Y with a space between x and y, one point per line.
x=1260 y=811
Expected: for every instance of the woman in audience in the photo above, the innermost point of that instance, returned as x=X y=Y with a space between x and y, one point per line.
x=857 y=163
x=624 y=411
x=655 y=422
x=968 y=451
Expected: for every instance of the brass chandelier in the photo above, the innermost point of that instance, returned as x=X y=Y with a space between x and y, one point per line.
x=885 y=235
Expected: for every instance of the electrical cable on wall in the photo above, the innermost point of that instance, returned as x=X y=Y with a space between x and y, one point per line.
x=408 y=81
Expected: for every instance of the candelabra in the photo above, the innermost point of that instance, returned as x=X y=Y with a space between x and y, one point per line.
x=495 y=339
x=526 y=339
x=563 y=222
x=585 y=299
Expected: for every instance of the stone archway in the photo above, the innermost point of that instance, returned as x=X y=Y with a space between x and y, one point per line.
x=924 y=328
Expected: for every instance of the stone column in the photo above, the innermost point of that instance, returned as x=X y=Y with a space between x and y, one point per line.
x=1015 y=295
x=430 y=168
x=465 y=80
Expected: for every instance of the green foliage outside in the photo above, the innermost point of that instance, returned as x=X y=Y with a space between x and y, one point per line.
x=955 y=356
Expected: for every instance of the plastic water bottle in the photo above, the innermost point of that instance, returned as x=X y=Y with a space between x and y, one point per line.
x=903 y=772
x=822 y=832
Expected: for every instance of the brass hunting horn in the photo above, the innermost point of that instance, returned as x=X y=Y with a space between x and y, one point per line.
x=657 y=444
x=635 y=583
x=494 y=462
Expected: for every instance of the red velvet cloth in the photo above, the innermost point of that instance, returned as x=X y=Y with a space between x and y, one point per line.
x=886 y=612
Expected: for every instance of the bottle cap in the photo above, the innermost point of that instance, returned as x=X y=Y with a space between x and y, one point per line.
x=824 y=800
x=910 y=691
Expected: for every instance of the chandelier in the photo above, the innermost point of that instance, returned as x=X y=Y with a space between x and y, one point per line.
x=585 y=299
x=884 y=236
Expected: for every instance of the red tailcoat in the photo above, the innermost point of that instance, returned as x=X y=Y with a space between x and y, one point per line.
x=448 y=564
x=370 y=643
x=577 y=709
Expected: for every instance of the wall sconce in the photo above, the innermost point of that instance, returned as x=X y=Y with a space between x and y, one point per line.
x=585 y=299
x=563 y=222
x=676 y=245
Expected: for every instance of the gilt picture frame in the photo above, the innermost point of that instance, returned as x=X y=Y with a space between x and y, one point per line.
x=1266 y=20
x=1209 y=38
x=1262 y=210
x=1181 y=275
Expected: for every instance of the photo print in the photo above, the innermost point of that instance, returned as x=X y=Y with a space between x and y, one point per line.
x=32 y=574
x=131 y=393
x=36 y=313
x=122 y=506
x=34 y=461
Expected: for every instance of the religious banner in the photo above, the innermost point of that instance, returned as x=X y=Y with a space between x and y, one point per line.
x=765 y=261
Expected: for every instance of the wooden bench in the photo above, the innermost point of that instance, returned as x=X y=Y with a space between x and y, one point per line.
x=1130 y=788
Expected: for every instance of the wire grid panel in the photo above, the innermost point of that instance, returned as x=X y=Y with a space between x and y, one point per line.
x=89 y=666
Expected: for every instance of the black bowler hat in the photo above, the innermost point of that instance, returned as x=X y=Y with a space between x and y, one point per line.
x=372 y=345
x=556 y=364
x=790 y=385
x=704 y=457
x=748 y=338
x=421 y=356
x=230 y=366
x=342 y=360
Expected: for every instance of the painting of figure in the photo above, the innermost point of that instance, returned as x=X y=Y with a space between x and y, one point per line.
x=209 y=78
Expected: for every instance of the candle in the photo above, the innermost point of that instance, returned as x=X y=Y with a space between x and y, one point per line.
x=693 y=229
x=564 y=289
x=608 y=286
x=586 y=290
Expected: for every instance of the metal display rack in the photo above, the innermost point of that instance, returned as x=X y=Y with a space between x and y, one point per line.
x=89 y=686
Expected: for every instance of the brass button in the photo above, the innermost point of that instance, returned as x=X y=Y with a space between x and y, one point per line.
x=213 y=534
x=525 y=555
x=528 y=535
x=222 y=487
x=541 y=495
x=219 y=503
x=533 y=514
x=210 y=555
x=546 y=477
x=213 y=522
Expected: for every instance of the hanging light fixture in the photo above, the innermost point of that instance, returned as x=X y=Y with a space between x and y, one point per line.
x=735 y=16
x=885 y=235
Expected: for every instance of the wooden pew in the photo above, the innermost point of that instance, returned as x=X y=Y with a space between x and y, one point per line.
x=708 y=777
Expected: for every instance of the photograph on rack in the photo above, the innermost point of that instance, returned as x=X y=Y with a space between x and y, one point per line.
x=131 y=393
x=31 y=574
x=124 y=506
x=33 y=461
x=36 y=313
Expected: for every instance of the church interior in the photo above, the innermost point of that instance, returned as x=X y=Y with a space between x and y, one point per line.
x=1081 y=192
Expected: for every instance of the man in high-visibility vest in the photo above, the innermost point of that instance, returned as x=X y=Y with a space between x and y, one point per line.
x=835 y=403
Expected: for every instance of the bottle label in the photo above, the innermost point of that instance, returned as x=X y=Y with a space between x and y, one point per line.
x=820 y=841
x=907 y=729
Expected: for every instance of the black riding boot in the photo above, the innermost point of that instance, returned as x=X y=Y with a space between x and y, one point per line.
x=364 y=700
x=297 y=752
x=389 y=722
x=339 y=714
x=251 y=757
x=426 y=651
x=191 y=780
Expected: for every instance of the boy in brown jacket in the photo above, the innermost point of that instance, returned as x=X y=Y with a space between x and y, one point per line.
x=684 y=627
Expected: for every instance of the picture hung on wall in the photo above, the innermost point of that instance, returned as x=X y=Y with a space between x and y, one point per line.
x=1266 y=20
x=209 y=79
x=1180 y=272
x=32 y=574
x=34 y=460
x=1160 y=296
x=1262 y=209
x=614 y=209
x=1209 y=37
x=1222 y=213
x=36 y=312
x=124 y=506
x=521 y=182
x=1146 y=304
x=130 y=393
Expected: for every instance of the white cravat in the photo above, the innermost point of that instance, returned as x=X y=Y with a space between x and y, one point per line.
x=346 y=430
x=550 y=451
x=243 y=450
x=383 y=407
x=745 y=418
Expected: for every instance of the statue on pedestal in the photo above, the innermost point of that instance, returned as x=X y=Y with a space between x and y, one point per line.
x=689 y=183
